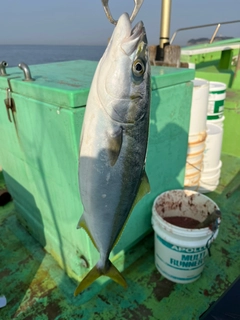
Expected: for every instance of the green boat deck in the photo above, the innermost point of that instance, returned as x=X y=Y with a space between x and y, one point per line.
x=37 y=288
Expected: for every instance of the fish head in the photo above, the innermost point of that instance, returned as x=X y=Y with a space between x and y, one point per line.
x=123 y=80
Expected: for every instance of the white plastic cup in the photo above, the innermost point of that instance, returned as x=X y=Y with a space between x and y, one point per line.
x=199 y=106
x=212 y=152
x=180 y=252
x=197 y=137
x=217 y=95
x=195 y=148
x=192 y=168
x=206 y=187
x=192 y=180
x=194 y=158
x=211 y=181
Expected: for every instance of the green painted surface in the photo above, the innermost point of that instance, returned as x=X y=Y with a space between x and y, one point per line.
x=36 y=288
x=40 y=155
x=213 y=74
x=219 y=65
x=215 y=57
x=66 y=84
x=231 y=136
x=214 y=44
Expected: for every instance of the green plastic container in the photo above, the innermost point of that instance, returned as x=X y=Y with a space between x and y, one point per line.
x=39 y=155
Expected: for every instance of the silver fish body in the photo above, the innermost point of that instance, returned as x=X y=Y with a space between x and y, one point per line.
x=114 y=142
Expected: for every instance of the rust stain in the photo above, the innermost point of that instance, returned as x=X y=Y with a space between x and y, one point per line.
x=219 y=285
x=40 y=287
x=25 y=261
x=5 y=273
x=227 y=254
x=139 y=312
x=103 y=298
x=163 y=287
x=53 y=310
x=206 y=293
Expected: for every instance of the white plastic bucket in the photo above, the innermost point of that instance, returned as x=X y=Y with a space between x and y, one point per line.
x=199 y=106
x=191 y=65
x=214 y=116
x=217 y=122
x=212 y=152
x=217 y=95
x=211 y=179
x=208 y=186
x=207 y=173
x=180 y=252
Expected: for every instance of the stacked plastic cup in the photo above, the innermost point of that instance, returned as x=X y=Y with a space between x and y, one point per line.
x=197 y=134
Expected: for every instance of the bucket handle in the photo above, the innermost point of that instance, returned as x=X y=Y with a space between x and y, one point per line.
x=209 y=242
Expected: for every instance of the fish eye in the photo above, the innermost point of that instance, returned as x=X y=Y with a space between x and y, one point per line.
x=138 y=68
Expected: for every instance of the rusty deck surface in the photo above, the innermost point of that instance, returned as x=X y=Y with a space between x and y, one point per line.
x=37 y=288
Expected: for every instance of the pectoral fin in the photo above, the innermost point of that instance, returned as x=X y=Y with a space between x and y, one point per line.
x=114 y=144
x=144 y=188
x=82 y=224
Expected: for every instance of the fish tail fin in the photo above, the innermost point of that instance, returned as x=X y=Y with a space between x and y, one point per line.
x=92 y=275
x=95 y=273
x=115 y=275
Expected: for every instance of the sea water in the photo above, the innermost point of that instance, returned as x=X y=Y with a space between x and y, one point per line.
x=38 y=54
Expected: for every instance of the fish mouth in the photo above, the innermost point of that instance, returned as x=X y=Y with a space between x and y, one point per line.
x=137 y=31
x=132 y=36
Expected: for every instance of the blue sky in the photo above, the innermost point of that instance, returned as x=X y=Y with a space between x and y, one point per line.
x=84 y=21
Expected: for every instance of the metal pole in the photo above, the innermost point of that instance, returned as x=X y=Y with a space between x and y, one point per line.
x=215 y=33
x=165 y=23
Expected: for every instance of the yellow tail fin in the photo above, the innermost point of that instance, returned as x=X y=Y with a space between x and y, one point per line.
x=95 y=273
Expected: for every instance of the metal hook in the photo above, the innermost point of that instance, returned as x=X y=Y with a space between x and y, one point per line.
x=3 y=65
x=137 y=6
x=27 y=74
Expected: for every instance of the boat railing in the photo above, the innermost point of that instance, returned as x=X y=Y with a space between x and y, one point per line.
x=217 y=24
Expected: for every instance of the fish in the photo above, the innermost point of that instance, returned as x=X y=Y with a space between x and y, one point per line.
x=113 y=144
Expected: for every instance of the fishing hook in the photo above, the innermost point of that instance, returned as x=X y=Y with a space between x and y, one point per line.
x=137 y=6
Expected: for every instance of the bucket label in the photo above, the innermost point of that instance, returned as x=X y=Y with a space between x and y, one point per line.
x=181 y=258
x=181 y=249
x=188 y=261
x=215 y=106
